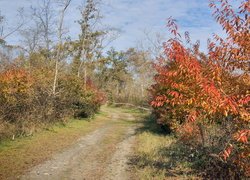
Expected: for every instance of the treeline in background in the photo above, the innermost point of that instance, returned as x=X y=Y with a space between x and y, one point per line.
x=48 y=77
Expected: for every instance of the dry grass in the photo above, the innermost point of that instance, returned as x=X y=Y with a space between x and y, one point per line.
x=17 y=156
x=158 y=156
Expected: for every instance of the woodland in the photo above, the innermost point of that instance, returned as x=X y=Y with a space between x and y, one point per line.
x=52 y=77
x=199 y=98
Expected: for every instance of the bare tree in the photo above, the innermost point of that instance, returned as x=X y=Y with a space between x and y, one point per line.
x=44 y=17
x=65 y=4
x=9 y=52
x=152 y=42
x=11 y=31
x=1 y=26
x=109 y=35
x=31 y=38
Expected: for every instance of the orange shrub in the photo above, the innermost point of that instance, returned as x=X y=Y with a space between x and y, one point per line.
x=213 y=88
x=15 y=93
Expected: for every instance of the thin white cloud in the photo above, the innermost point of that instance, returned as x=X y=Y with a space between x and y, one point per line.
x=132 y=16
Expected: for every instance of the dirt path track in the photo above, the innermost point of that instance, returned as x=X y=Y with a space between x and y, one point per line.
x=102 y=154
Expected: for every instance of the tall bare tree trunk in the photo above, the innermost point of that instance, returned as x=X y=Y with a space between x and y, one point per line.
x=82 y=59
x=58 y=56
x=55 y=77
x=85 y=77
x=142 y=90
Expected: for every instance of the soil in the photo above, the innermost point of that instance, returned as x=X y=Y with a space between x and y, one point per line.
x=101 y=154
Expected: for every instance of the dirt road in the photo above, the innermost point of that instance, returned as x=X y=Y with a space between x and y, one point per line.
x=102 y=154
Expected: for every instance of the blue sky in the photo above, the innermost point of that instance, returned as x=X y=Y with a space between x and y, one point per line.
x=132 y=17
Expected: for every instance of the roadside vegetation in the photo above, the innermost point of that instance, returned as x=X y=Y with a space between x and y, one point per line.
x=159 y=156
x=51 y=86
x=19 y=155
x=203 y=99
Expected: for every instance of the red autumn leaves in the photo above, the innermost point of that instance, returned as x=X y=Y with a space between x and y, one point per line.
x=199 y=86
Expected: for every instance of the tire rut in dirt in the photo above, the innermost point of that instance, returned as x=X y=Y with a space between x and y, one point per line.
x=71 y=163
